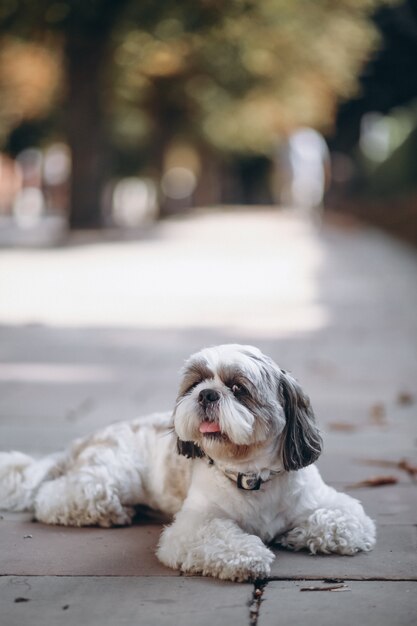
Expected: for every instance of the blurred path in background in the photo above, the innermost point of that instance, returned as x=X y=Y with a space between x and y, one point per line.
x=254 y=272
x=96 y=332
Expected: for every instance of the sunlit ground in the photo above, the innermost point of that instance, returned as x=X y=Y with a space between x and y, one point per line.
x=253 y=272
x=97 y=330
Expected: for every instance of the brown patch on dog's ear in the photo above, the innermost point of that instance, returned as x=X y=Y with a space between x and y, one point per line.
x=189 y=449
x=301 y=440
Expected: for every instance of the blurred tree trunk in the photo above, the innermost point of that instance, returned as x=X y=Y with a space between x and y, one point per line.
x=208 y=191
x=88 y=51
x=85 y=54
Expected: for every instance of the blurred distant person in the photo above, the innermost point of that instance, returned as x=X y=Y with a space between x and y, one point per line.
x=303 y=163
x=10 y=183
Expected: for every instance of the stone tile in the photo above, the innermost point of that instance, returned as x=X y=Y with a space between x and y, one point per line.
x=14 y=516
x=130 y=551
x=391 y=504
x=374 y=603
x=372 y=443
x=394 y=558
x=60 y=551
x=123 y=601
x=343 y=468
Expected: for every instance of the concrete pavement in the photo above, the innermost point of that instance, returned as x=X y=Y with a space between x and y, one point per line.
x=96 y=331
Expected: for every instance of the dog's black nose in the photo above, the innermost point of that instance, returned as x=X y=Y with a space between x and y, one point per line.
x=208 y=395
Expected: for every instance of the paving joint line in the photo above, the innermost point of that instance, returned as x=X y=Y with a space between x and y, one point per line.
x=264 y=582
x=257 y=599
x=345 y=578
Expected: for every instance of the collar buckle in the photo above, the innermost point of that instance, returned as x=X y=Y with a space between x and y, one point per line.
x=249 y=482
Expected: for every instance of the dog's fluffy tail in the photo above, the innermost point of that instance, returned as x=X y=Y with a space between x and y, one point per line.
x=22 y=475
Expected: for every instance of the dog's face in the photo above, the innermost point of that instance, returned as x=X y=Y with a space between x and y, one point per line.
x=234 y=400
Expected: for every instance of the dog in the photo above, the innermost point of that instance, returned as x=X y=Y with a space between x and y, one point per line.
x=233 y=464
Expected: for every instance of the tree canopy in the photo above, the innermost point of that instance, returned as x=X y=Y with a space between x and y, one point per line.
x=248 y=78
x=233 y=76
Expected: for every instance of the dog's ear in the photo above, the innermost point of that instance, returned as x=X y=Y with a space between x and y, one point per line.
x=301 y=440
x=189 y=449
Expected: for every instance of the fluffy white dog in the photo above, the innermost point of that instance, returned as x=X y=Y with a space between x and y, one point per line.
x=233 y=464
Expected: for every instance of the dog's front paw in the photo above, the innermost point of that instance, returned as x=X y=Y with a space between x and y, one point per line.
x=244 y=568
x=219 y=548
x=239 y=567
x=333 y=530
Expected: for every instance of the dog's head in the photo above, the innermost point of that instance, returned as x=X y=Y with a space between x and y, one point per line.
x=234 y=402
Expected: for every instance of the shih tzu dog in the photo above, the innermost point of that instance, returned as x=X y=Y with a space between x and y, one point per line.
x=233 y=465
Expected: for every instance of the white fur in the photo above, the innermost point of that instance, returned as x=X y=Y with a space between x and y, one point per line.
x=218 y=529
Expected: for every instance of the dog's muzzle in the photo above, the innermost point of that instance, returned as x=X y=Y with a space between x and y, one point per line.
x=207 y=397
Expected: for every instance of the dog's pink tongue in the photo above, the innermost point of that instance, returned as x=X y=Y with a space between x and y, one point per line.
x=209 y=427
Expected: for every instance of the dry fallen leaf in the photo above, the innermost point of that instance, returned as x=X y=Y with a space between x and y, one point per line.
x=346 y=427
x=377 y=414
x=380 y=462
x=405 y=398
x=375 y=481
x=341 y=587
x=408 y=467
x=377 y=409
x=403 y=465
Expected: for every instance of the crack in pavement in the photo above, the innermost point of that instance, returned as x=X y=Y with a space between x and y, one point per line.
x=255 y=603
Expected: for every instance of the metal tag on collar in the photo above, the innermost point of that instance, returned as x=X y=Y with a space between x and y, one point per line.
x=249 y=482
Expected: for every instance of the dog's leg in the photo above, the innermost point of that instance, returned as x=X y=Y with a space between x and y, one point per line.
x=82 y=498
x=21 y=477
x=93 y=487
x=213 y=547
x=102 y=483
x=343 y=528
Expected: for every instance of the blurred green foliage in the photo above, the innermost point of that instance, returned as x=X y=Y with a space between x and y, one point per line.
x=230 y=76
x=240 y=83
x=233 y=74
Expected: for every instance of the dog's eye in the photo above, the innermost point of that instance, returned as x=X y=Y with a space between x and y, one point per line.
x=238 y=390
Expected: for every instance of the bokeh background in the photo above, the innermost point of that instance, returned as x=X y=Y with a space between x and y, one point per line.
x=181 y=174
x=117 y=114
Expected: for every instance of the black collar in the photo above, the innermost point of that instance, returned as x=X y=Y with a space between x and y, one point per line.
x=248 y=481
